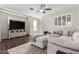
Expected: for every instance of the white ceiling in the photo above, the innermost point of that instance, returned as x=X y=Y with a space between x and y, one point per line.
x=24 y=8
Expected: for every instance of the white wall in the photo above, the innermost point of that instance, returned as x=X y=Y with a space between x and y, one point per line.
x=0 y=32
x=4 y=23
x=48 y=20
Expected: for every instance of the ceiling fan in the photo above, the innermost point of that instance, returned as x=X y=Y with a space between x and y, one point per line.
x=42 y=8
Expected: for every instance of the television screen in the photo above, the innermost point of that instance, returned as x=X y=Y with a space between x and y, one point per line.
x=16 y=25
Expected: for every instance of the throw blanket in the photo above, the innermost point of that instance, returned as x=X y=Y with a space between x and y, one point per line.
x=34 y=38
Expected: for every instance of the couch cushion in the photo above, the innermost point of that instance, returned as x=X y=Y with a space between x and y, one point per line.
x=54 y=35
x=57 y=32
x=66 y=33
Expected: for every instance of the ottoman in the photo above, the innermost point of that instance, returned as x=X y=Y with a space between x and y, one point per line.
x=41 y=41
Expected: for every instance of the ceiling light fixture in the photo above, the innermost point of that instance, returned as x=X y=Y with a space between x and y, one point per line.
x=41 y=10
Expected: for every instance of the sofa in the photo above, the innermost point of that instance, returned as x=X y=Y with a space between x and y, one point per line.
x=64 y=43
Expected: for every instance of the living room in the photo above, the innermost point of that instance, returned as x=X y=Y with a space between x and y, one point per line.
x=37 y=28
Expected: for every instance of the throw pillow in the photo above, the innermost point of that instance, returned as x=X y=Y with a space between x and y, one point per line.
x=75 y=36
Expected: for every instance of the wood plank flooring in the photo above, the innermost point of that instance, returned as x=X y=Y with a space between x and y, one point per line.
x=10 y=43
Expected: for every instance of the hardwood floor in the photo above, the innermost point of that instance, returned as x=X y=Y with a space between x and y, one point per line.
x=10 y=43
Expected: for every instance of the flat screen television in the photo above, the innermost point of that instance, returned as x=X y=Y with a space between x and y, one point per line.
x=14 y=25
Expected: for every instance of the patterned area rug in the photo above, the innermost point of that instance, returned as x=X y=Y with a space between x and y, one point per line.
x=27 y=48
x=12 y=43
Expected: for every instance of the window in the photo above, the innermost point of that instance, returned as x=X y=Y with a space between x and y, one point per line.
x=56 y=21
x=68 y=18
x=35 y=25
x=62 y=20
x=59 y=20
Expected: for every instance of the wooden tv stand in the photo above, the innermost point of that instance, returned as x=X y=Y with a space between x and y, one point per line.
x=17 y=33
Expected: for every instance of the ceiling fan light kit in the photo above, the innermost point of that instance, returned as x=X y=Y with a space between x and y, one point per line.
x=41 y=10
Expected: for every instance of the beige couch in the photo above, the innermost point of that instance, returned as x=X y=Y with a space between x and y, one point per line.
x=64 y=43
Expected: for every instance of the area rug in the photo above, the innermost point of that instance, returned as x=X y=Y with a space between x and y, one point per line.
x=27 y=48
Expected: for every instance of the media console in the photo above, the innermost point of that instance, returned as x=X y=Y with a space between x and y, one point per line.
x=16 y=33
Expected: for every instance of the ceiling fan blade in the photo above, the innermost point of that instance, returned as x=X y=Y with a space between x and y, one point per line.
x=31 y=8
x=47 y=9
x=37 y=11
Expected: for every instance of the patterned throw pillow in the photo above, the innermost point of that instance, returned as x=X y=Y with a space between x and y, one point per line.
x=65 y=33
x=75 y=36
x=71 y=33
